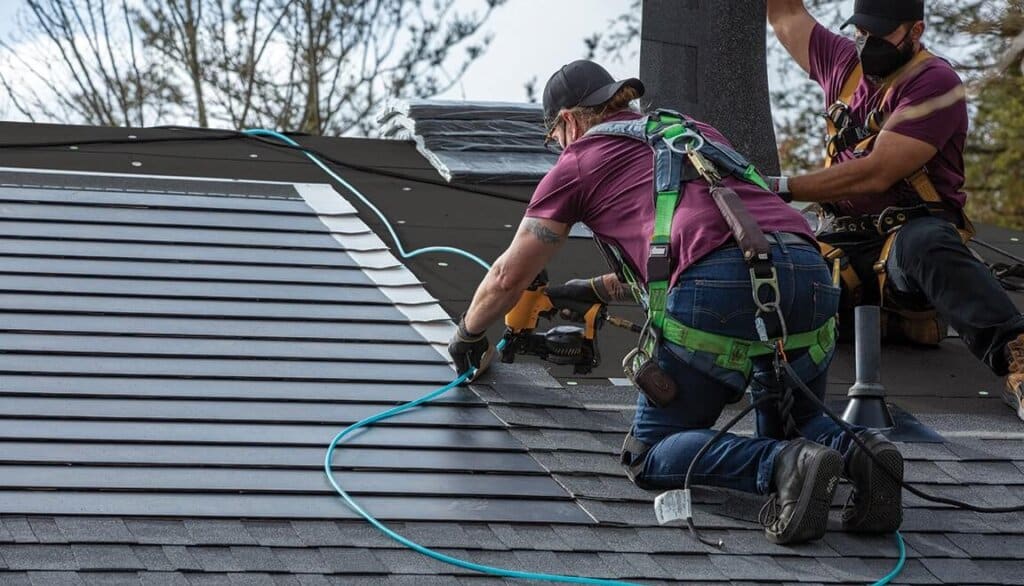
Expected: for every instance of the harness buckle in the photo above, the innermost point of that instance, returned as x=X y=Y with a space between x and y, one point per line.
x=771 y=282
x=659 y=263
x=763 y=275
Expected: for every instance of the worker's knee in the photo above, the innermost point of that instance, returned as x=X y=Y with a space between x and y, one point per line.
x=926 y=235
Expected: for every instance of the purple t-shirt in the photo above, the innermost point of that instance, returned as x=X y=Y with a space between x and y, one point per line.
x=607 y=183
x=833 y=58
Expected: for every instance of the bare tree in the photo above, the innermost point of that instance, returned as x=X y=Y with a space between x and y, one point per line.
x=88 y=67
x=316 y=66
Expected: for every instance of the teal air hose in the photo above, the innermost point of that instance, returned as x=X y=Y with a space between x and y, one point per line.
x=398 y=243
x=328 y=457
x=899 y=564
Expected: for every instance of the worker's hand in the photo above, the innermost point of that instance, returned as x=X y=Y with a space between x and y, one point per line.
x=575 y=297
x=470 y=350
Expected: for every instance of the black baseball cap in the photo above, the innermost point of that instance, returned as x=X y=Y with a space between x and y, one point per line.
x=581 y=83
x=881 y=17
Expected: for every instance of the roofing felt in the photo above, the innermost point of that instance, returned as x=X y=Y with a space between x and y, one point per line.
x=263 y=431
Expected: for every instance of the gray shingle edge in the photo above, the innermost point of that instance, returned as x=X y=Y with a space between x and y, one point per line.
x=384 y=269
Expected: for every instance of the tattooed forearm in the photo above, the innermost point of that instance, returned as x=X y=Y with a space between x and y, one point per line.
x=542 y=232
x=611 y=288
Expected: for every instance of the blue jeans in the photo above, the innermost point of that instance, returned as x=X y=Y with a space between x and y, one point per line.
x=714 y=295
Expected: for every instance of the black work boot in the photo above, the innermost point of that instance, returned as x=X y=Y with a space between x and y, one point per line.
x=805 y=477
x=876 y=502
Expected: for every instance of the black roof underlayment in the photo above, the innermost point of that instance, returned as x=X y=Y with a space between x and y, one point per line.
x=177 y=354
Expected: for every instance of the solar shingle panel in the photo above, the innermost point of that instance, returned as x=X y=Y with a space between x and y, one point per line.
x=190 y=316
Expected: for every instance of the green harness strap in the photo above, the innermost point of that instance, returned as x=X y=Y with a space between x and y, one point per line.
x=736 y=353
x=661 y=131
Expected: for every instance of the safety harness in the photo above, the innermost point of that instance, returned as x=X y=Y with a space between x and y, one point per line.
x=844 y=134
x=682 y=154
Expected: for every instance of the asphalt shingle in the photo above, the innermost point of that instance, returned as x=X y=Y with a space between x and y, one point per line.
x=106 y=557
x=51 y=579
x=252 y=558
x=163 y=578
x=159 y=531
x=94 y=530
x=692 y=567
x=110 y=578
x=219 y=532
x=38 y=557
x=19 y=530
x=180 y=558
x=529 y=537
x=280 y=533
x=345 y=560
x=301 y=560
x=46 y=531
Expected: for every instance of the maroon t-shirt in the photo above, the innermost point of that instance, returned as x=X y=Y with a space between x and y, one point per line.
x=833 y=58
x=607 y=182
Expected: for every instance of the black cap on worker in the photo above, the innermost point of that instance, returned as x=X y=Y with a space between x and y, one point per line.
x=581 y=83
x=881 y=17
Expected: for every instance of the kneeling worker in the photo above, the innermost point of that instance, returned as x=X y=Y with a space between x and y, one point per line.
x=683 y=264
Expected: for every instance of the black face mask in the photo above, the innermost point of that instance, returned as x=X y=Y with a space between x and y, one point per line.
x=879 y=57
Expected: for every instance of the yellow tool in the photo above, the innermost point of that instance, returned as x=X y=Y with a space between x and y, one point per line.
x=562 y=344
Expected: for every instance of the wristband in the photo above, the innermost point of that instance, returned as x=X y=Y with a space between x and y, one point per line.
x=783 y=185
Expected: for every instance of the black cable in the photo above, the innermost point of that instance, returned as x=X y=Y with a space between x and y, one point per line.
x=787 y=369
x=212 y=134
x=848 y=429
x=704 y=449
x=993 y=248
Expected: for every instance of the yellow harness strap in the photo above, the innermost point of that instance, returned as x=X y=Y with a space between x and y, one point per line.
x=840 y=273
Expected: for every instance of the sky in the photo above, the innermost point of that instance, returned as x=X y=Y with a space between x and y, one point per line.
x=532 y=38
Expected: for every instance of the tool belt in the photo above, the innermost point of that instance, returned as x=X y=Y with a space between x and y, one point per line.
x=890 y=220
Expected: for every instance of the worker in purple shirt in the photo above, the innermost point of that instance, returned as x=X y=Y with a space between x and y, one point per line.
x=898 y=124
x=606 y=182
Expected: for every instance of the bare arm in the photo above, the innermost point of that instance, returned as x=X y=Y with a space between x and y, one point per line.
x=793 y=25
x=894 y=158
x=534 y=244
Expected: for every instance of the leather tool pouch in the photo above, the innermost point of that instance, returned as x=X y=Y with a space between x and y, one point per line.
x=655 y=384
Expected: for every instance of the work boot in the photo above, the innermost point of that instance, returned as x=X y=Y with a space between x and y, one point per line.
x=805 y=478
x=1013 y=392
x=876 y=502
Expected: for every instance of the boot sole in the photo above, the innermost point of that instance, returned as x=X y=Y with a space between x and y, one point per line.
x=810 y=517
x=885 y=512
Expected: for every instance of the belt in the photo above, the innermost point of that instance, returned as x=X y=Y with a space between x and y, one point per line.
x=783 y=238
x=889 y=220
x=789 y=239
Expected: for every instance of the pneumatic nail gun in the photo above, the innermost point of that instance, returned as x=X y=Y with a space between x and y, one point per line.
x=564 y=344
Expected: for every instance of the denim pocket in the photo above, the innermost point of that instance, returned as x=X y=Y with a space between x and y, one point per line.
x=826 y=302
x=724 y=307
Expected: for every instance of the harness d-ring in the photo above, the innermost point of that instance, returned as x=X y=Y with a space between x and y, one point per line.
x=696 y=140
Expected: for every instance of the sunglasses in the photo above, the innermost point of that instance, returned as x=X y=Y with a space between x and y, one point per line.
x=550 y=142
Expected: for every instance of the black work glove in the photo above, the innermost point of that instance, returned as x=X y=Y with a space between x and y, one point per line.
x=575 y=297
x=470 y=350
